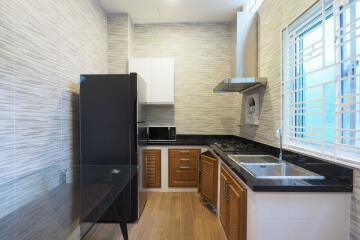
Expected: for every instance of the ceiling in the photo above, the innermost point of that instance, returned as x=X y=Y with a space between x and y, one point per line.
x=169 y=11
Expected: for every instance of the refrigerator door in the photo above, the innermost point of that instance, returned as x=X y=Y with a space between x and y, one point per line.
x=105 y=107
x=108 y=130
x=141 y=142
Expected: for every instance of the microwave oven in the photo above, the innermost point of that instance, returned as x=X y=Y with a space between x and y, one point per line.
x=161 y=133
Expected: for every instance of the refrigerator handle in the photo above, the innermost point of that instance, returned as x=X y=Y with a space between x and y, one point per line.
x=136 y=127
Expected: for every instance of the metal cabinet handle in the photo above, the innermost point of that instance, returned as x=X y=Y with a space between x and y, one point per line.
x=184 y=159
x=184 y=151
x=184 y=167
x=227 y=197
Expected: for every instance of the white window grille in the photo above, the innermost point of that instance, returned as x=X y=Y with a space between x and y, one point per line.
x=321 y=82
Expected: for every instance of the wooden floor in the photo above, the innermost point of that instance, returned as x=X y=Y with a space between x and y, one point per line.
x=170 y=216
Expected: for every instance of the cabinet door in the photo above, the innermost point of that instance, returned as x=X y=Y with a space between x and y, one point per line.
x=233 y=206
x=152 y=165
x=158 y=74
x=235 y=211
x=162 y=82
x=208 y=178
x=223 y=199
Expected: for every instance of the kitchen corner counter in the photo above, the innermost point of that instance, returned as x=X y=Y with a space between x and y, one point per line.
x=329 y=184
x=337 y=178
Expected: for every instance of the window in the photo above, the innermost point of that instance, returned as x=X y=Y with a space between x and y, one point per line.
x=321 y=82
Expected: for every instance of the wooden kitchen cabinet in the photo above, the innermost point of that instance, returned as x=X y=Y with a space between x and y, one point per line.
x=183 y=167
x=152 y=168
x=232 y=206
x=208 y=176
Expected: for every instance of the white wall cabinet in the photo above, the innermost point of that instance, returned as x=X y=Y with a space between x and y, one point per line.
x=158 y=74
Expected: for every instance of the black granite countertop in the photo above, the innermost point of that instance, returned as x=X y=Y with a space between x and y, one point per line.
x=337 y=178
x=194 y=140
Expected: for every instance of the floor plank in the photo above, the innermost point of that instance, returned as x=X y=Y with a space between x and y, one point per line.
x=175 y=216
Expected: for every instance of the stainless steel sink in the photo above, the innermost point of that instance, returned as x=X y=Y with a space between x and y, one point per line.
x=279 y=171
x=254 y=159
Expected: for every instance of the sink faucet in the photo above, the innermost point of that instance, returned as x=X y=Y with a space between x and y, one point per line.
x=279 y=135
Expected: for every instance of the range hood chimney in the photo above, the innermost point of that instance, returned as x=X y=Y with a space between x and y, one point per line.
x=244 y=75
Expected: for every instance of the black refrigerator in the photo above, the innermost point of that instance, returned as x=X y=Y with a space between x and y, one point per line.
x=113 y=132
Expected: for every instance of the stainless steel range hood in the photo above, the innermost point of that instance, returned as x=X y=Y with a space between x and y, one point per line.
x=244 y=56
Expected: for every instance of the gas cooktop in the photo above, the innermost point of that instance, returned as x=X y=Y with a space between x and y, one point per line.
x=237 y=148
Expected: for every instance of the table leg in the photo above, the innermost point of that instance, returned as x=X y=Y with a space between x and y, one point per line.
x=122 y=223
x=124 y=230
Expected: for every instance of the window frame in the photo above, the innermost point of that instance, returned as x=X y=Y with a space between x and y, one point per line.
x=304 y=25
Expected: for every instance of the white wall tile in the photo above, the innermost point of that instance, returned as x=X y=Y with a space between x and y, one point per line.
x=202 y=60
x=273 y=17
x=118 y=43
x=44 y=47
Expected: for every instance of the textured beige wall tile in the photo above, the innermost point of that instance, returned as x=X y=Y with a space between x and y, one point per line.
x=355 y=208
x=118 y=43
x=274 y=15
x=44 y=47
x=202 y=60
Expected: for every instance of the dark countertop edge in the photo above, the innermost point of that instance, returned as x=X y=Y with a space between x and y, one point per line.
x=193 y=140
x=303 y=189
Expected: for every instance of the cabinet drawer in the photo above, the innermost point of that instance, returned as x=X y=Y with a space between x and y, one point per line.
x=183 y=178
x=181 y=153
x=183 y=163
x=183 y=167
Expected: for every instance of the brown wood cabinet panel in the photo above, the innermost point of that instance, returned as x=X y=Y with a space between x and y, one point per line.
x=183 y=178
x=184 y=153
x=237 y=199
x=223 y=201
x=183 y=167
x=152 y=168
x=181 y=162
x=208 y=178
x=234 y=202
x=233 y=206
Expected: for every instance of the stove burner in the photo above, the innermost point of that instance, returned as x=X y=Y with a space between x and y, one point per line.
x=236 y=147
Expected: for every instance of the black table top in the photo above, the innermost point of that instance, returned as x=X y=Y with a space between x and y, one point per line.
x=62 y=207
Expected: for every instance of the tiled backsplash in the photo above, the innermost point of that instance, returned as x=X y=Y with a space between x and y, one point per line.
x=44 y=47
x=160 y=114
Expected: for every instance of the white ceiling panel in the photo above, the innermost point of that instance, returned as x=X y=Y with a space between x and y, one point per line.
x=169 y=11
